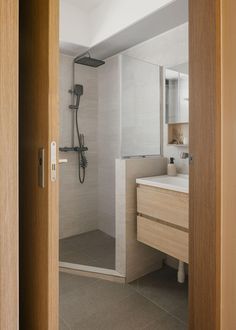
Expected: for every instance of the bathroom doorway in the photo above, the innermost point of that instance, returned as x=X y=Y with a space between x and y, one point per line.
x=49 y=255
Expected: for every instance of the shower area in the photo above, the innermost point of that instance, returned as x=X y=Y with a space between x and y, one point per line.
x=102 y=120
x=87 y=228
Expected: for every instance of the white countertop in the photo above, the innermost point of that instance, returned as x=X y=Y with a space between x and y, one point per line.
x=176 y=183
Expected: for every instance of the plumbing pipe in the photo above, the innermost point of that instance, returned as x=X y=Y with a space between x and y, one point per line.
x=181 y=272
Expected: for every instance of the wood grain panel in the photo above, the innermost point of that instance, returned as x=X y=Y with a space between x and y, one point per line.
x=205 y=142
x=9 y=165
x=167 y=205
x=228 y=165
x=167 y=239
x=39 y=78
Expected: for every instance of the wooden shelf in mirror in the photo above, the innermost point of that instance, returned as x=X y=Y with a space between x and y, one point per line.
x=178 y=134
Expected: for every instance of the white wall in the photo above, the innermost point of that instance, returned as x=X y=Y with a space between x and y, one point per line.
x=78 y=203
x=74 y=24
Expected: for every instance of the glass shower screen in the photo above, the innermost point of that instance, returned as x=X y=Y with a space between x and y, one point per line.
x=140 y=107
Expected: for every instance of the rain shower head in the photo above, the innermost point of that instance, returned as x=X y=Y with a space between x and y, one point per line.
x=88 y=61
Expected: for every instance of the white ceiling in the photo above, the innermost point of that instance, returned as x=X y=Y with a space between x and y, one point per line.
x=167 y=23
x=167 y=49
x=86 y=5
x=158 y=22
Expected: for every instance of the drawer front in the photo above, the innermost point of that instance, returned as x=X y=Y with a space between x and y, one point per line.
x=169 y=240
x=166 y=205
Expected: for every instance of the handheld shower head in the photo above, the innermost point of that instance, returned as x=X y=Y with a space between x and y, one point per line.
x=77 y=91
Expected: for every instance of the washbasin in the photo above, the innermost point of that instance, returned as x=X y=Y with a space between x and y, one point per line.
x=176 y=183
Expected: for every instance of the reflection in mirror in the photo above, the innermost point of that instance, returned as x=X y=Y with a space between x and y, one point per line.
x=177 y=96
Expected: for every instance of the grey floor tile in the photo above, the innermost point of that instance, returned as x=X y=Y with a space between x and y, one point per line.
x=134 y=312
x=77 y=257
x=108 y=262
x=70 y=283
x=82 y=303
x=93 y=248
x=154 y=302
x=63 y=326
x=162 y=288
x=167 y=322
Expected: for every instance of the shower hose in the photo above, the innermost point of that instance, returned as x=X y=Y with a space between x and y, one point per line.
x=82 y=161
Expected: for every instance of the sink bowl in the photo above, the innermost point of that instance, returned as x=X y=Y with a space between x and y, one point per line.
x=176 y=183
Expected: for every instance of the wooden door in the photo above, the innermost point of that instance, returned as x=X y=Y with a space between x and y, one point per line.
x=39 y=56
x=205 y=168
x=9 y=164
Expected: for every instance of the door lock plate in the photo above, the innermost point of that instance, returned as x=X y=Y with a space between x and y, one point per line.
x=53 y=161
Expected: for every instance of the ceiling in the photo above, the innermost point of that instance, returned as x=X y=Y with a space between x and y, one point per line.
x=86 y=5
x=167 y=23
x=167 y=49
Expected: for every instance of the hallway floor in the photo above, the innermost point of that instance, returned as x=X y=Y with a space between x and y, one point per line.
x=94 y=248
x=154 y=302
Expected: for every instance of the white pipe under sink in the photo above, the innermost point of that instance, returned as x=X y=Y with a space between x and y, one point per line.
x=181 y=272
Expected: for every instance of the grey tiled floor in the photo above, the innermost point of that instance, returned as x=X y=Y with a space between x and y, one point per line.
x=94 y=248
x=154 y=302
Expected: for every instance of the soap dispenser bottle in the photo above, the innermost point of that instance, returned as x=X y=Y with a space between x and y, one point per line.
x=171 y=168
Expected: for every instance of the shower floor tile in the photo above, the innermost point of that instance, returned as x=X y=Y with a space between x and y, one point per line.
x=94 y=248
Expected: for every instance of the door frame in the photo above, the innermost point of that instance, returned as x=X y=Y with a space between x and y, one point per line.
x=228 y=160
x=9 y=270
x=212 y=153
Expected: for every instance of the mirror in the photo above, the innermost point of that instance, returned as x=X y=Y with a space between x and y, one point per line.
x=177 y=96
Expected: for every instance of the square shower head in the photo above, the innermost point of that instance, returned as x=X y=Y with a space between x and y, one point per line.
x=89 y=61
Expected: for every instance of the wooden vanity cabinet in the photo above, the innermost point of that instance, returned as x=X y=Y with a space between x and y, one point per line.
x=162 y=220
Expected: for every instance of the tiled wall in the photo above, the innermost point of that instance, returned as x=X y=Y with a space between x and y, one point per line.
x=109 y=141
x=91 y=205
x=78 y=203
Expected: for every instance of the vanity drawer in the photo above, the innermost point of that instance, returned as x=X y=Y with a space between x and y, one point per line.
x=163 y=204
x=167 y=239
